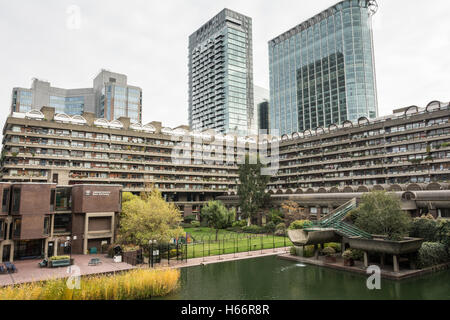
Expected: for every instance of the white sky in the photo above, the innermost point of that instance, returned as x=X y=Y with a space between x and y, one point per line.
x=148 y=40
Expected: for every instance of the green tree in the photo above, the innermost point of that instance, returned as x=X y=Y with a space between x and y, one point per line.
x=380 y=213
x=217 y=216
x=149 y=217
x=252 y=188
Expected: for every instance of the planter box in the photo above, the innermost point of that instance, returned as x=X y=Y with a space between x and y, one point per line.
x=349 y=262
x=381 y=245
x=60 y=263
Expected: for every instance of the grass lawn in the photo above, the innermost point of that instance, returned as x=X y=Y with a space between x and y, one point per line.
x=230 y=242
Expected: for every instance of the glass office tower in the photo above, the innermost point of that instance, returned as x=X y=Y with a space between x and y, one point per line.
x=221 y=75
x=322 y=71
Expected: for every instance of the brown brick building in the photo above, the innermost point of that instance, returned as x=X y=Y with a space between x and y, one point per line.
x=43 y=219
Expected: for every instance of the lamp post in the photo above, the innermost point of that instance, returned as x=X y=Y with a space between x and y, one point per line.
x=70 y=240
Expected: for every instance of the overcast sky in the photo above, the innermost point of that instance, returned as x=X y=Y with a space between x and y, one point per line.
x=148 y=40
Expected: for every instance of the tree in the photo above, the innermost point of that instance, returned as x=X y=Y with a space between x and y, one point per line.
x=252 y=188
x=149 y=217
x=217 y=216
x=292 y=212
x=380 y=213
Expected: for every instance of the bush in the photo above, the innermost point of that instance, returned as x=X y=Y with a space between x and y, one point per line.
x=253 y=229
x=335 y=246
x=443 y=234
x=328 y=251
x=293 y=251
x=55 y=258
x=190 y=218
x=280 y=229
x=431 y=254
x=275 y=216
x=357 y=255
x=347 y=255
x=425 y=228
x=240 y=224
x=300 y=224
x=133 y=285
x=195 y=224
x=270 y=227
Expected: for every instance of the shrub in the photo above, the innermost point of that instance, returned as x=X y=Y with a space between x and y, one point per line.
x=190 y=218
x=443 y=234
x=280 y=229
x=357 y=255
x=347 y=255
x=425 y=228
x=293 y=251
x=328 y=251
x=300 y=224
x=431 y=254
x=55 y=258
x=270 y=227
x=195 y=224
x=335 y=246
x=240 y=224
x=135 y=285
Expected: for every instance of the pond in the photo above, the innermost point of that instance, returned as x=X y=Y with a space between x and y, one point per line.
x=270 y=278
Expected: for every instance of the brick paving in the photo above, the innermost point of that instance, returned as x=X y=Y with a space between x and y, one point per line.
x=29 y=271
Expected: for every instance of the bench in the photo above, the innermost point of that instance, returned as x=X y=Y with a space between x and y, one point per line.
x=60 y=263
x=94 y=262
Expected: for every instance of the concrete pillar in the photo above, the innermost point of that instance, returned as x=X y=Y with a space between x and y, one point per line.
x=316 y=252
x=46 y=248
x=86 y=231
x=366 y=259
x=1 y=253
x=11 y=255
x=395 y=260
x=55 y=249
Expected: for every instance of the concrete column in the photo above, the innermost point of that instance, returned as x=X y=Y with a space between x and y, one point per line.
x=46 y=248
x=1 y=253
x=316 y=252
x=11 y=255
x=396 y=267
x=366 y=259
x=55 y=249
x=86 y=230
x=113 y=231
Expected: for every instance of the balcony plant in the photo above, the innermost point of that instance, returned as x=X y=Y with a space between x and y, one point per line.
x=329 y=253
x=348 y=258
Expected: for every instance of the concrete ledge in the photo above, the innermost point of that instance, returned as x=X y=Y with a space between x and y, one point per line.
x=385 y=274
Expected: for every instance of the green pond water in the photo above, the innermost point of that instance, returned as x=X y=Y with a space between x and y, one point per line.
x=271 y=278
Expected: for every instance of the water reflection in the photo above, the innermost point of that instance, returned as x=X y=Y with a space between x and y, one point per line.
x=270 y=279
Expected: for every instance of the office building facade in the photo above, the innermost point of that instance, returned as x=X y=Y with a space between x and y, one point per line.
x=111 y=98
x=221 y=75
x=322 y=72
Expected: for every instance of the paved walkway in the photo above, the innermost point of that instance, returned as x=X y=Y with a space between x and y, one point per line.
x=223 y=258
x=29 y=271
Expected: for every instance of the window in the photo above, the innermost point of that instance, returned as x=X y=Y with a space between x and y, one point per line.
x=16 y=199
x=17 y=225
x=5 y=200
x=46 y=226
x=52 y=200
x=62 y=223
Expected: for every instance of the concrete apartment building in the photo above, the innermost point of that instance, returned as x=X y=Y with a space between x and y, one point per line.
x=221 y=75
x=37 y=218
x=406 y=151
x=110 y=97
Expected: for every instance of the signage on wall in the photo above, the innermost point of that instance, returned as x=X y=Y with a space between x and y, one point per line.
x=98 y=193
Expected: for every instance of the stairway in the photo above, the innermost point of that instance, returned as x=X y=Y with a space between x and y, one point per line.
x=334 y=220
